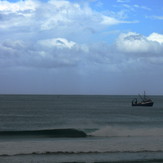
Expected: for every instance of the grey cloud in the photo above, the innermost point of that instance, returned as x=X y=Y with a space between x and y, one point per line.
x=37 y=55
x=34 y=56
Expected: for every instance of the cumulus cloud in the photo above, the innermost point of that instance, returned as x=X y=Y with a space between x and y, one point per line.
x=139 y=50
x=135 y=43
x=156 y=37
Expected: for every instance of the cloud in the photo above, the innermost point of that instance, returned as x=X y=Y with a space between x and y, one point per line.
x=57 y=34
x=53 y=34
x=18 y=7
x=44 y=54
x=156 y=37
x=52 y=15
x=112 y=21
x=132 y=42
x=57 y=42
x=53 y=53
x=135 y=43
x=130 y=48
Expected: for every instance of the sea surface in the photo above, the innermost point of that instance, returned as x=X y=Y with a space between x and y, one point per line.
x=79 y=128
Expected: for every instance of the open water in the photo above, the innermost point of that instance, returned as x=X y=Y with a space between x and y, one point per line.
x=46 y=128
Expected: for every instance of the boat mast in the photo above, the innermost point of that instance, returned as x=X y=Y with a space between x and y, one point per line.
x=144 y=96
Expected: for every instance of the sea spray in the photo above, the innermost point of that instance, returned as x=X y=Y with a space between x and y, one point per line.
x=117 y=131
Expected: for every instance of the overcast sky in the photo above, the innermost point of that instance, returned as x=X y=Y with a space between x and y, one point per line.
x=81 y=46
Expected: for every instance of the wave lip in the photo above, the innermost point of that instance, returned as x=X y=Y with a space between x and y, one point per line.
x=56 y=133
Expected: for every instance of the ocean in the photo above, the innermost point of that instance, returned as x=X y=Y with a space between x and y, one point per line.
x=79 y=129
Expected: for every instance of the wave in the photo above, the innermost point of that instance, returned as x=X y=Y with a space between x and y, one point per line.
x=115 y=131
x=109 y=131
x=58 y=133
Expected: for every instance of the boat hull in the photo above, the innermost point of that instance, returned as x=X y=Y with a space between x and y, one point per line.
x=143 y=104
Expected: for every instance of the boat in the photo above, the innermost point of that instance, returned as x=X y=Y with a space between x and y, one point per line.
x=145 y=101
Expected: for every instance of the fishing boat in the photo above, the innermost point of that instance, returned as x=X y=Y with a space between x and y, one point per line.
x=145 y=101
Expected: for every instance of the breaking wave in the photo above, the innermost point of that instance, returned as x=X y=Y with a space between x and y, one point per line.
x=72 y=133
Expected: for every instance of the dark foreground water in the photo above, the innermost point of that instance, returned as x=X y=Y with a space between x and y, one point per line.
x=46 y=128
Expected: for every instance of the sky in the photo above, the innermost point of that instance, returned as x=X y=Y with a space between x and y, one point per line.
x=110 y=47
